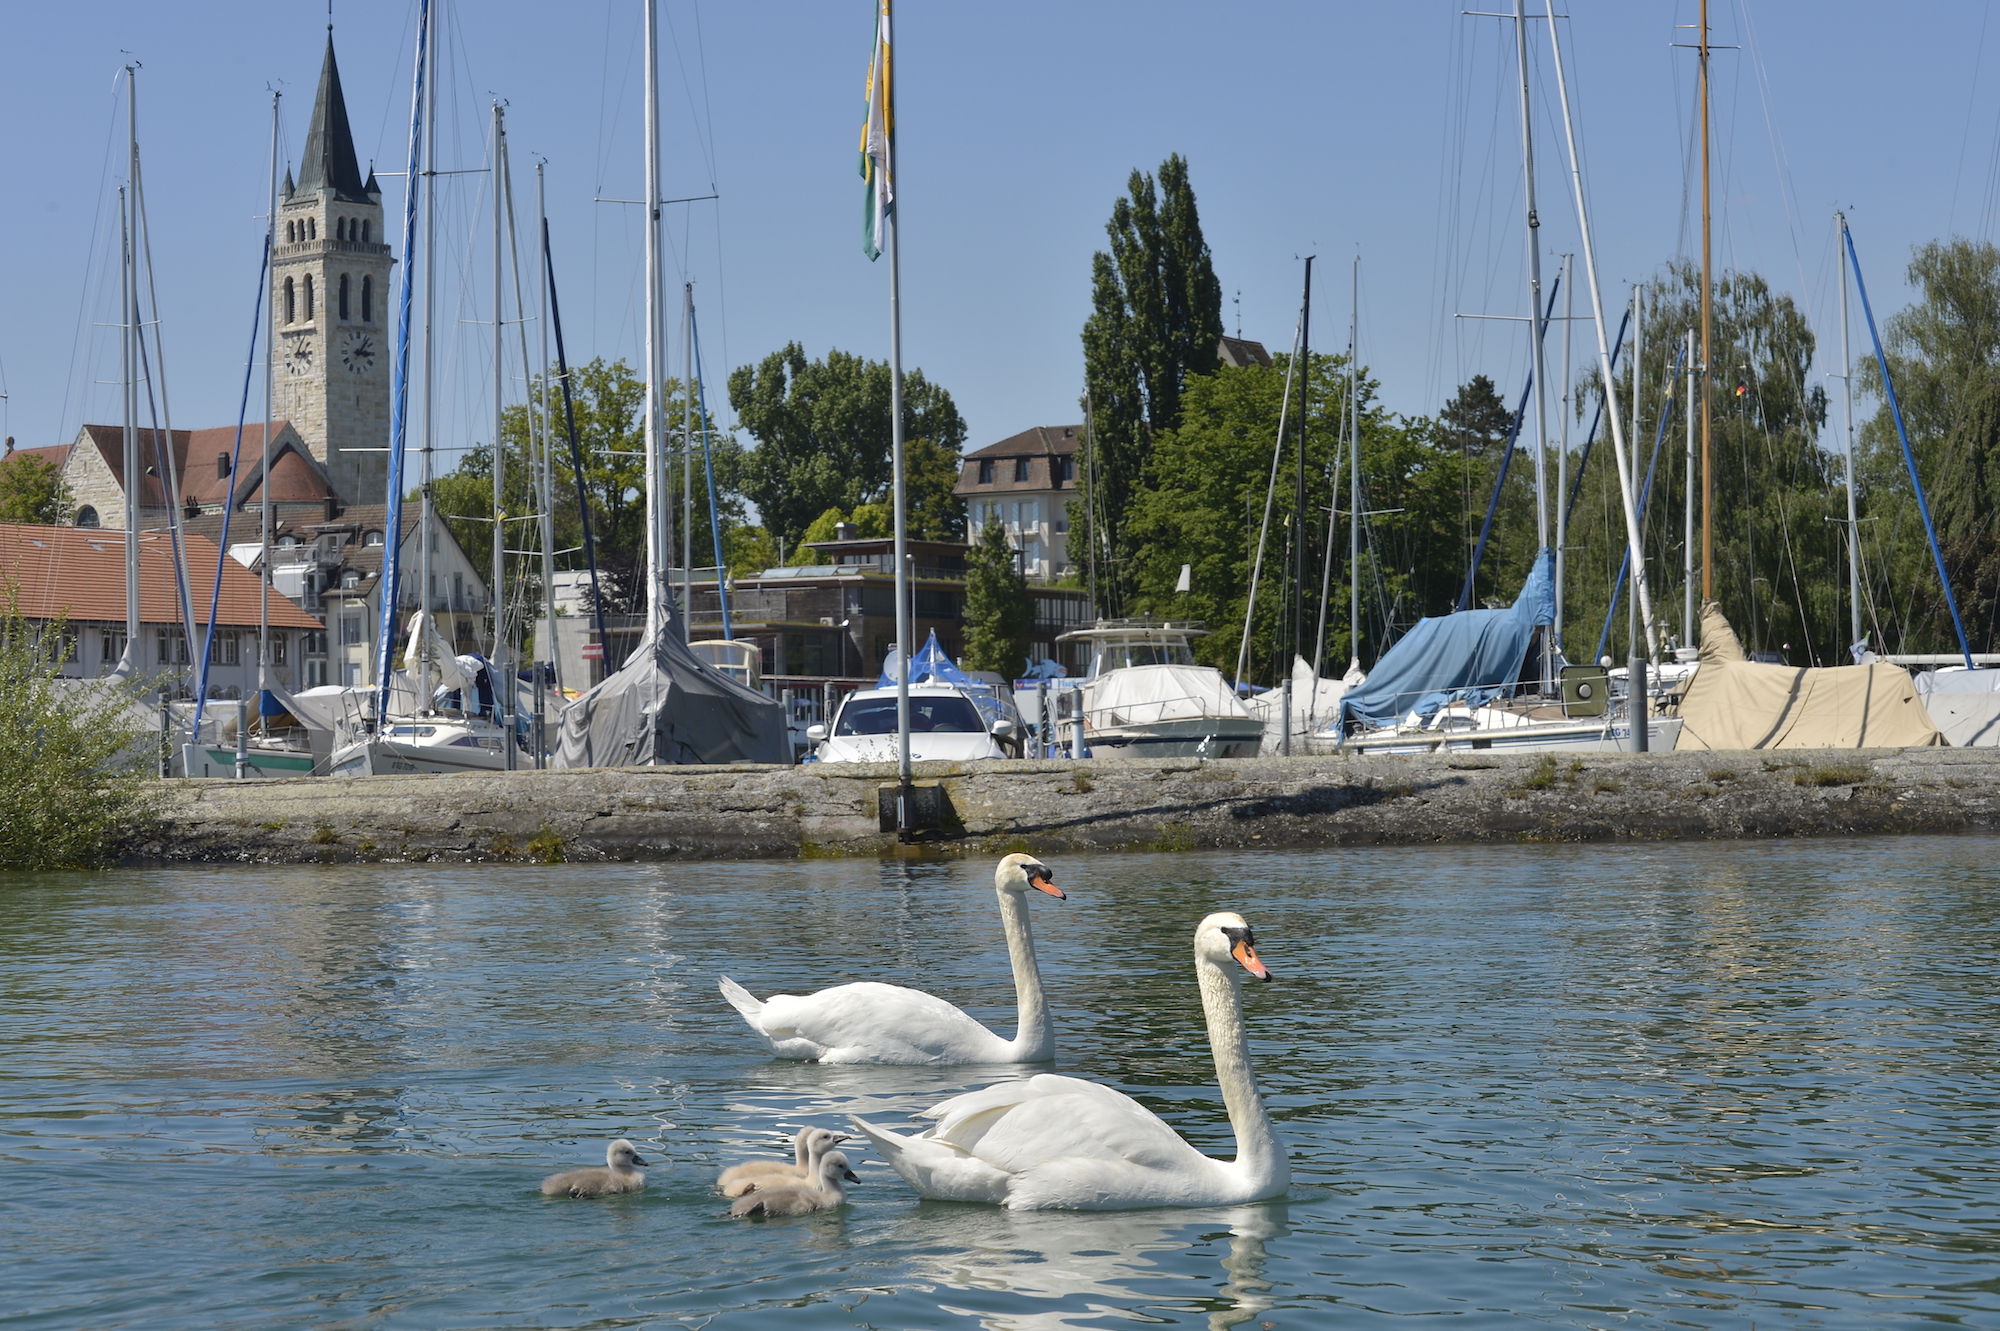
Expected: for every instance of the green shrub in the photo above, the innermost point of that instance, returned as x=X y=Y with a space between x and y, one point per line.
x=1832 y=774
x=73 y=758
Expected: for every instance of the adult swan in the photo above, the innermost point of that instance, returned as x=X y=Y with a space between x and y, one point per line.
x=886 y=1023
x=1052 y=1142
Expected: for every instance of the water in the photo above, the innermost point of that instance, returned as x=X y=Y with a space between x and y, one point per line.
x=1676 y=1086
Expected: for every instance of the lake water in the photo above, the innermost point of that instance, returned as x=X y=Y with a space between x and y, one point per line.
x=1689 y=1085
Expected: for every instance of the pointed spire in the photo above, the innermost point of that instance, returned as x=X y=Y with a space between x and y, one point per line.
x=371 y=189
x=290 y=189
x=329 y=161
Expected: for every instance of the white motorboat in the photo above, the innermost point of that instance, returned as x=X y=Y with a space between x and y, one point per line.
x=425 y=743
x=1146 y=698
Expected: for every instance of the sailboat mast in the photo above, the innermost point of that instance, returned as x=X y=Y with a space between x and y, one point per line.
x=502 y=675
x=1567 y=278
x=1688 y=502
x=1707 y=326
x=1300 y=527
x=1619 y=457
x=687 y=467
x=425 y=590
x=1847 y=422
x=659 y=541
x=270 y=369
x=548 y=458
x=128 y=299
x=1638 y=383
x=1354 y=473
x=1535 y=315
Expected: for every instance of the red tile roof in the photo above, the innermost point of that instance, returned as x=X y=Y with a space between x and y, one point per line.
x=81 y=571
x=294 y=478
x=55 y=454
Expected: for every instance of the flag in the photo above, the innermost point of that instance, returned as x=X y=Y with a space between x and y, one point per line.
x=878 y=140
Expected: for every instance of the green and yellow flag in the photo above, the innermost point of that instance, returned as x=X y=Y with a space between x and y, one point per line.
x=878 y=140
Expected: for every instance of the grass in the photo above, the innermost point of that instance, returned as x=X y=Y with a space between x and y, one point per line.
x=1832 y=774
x=366 y=847
x=1173 y=839
x=1720 y=774
x=276 y=825
x=324 y=835
x=1544 y=775
x=1606 y=786
x=1080 y=782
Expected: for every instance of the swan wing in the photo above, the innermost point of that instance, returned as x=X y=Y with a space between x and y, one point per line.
x=869 y=1022
x=1021 y=1126
x=935 y=1169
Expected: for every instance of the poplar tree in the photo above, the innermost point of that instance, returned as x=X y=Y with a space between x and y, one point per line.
x=998 y=611
x=1156 y=318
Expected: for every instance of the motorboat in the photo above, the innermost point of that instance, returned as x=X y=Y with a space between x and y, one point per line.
x=1145 y=697
x=953 y=717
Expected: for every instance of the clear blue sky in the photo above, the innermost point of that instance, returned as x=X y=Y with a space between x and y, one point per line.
x=1385 y=129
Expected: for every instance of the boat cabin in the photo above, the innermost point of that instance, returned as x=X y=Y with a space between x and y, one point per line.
x=1115 y=644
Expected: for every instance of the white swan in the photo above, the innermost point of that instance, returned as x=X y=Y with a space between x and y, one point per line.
x=1055 y=1143
x=825 y=1194
x=808 y=1146
x=621 y=1173
x=886 y=1023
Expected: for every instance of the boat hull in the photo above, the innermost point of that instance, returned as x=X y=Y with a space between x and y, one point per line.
x=377 y=756
x=1662 y=732
x=1196 y=737
x=219 y=760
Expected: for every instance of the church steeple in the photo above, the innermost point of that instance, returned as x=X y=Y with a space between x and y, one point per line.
x=329 y=161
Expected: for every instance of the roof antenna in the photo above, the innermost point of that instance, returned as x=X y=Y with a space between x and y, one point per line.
x=1239 y=298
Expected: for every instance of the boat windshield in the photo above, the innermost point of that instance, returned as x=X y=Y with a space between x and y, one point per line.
x=934 y=714
x=1120 y=654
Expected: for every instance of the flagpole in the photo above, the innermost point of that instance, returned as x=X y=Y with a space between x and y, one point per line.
x=903 y=626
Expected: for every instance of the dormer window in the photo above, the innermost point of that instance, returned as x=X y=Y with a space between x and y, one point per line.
x=1020 y=464
x=372 y=538
x=985 y=465
x=221 y=466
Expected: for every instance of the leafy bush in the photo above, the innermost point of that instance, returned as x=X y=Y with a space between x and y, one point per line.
x=73 y=768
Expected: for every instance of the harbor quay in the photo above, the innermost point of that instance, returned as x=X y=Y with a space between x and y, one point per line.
x=772 y=812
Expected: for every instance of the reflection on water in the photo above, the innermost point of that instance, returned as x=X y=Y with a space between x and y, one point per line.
x=1662 y=1086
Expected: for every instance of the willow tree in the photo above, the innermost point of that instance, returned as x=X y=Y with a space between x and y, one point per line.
x=1156 y=318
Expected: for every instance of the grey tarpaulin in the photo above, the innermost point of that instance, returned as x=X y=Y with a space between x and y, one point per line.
x=668 y=707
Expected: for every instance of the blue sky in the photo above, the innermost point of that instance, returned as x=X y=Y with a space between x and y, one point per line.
x=1331 y=128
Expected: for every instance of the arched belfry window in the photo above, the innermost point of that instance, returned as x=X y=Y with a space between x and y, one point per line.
x=312 y=228
x=291 y=233
x=291 y=308
x=343 y=295
x=309 y=298
x=367 y=298
x=364 y=230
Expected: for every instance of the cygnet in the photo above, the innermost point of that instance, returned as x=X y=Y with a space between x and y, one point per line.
x=808 y=1146
x=800 y=1200
x=621 y=1173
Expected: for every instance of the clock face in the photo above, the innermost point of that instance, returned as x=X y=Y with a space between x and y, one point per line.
x=299 y=356
x=357 y=353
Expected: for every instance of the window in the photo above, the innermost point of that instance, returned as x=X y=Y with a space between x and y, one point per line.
x=313 y=644
x=350 y=579
x=1020 y=464
x=288 y=542
x=224 y=650
x=353 y=676
x=173 y=647
x=291 y=308
x=312 y=233
x=372 y=538
x=86 y=516
x=936 y=714
x=367 y=299
x=364 y=232
x=291 y=233
x=277 y=649
x=343 y=295
x=350 y=630
x=986 y=471
x=114 y=647
x=309 y=298
x=340 y=228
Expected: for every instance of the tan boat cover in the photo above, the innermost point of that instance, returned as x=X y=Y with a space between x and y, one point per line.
x=1735 y=703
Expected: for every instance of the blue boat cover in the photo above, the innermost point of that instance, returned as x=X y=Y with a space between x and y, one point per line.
x=931 y=666
x=1470 y=656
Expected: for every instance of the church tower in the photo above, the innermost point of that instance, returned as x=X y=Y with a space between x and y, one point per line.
x=330 y=301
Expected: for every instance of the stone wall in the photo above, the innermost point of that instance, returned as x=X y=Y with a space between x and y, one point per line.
x=1055 y=807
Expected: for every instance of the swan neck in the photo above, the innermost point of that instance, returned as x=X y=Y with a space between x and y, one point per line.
x=1257 y=1149
x=1035 y=1035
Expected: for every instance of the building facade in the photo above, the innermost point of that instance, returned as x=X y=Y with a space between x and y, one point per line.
x=1025 y=482
x=330 y=302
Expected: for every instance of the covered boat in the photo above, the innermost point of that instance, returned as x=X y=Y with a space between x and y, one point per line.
x=1146 y=697
x=1735 y=703
x=666 y=707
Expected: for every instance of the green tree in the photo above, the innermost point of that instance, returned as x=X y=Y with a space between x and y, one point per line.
x=1944 y=355
x=609 y=401
x=1156 y=318
x=32 y=490
x=998 y=609
x=822 y=430
x=72 y=764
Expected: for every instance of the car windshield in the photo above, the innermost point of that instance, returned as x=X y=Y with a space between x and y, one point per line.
x=939 y=713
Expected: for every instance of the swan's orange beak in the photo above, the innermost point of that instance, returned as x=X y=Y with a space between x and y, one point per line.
x=1247 y=956
x=1040 y=877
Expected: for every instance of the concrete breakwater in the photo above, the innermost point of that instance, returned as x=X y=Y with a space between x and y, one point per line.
x=777 y=812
